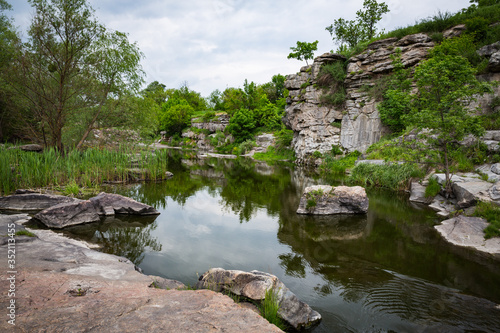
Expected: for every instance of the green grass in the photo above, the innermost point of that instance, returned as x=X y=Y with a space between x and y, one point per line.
x=338 y=166
x=432 y=188
x=269 y=308
x=491 y=213
x=25 y=232
x=392 y=176
x=75 y=169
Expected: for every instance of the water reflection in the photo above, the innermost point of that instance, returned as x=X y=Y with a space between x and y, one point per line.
x=125 y=236
x=384 y=271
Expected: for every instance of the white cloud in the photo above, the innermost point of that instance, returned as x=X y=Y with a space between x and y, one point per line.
x=213 y=44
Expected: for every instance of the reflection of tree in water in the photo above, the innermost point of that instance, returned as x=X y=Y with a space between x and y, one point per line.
x=293 y=264
x=246 y=190
x=126 y=236
x=130 y=242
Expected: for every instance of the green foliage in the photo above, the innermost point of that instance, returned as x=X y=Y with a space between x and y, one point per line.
x=241 y=125
x=446 y=85
x=175 y=115
x=338 y=166
x=433 y=188
x=491 y=213
x=349 y=33
x=72 y=189
x=331 y=79
x=303 y=51
x=396 y=100
x=396 y=177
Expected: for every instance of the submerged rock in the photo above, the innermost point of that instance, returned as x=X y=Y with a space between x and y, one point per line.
x=254 y=285
x=327 y=200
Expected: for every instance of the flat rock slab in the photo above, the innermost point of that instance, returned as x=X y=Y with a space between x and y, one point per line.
x=63 y=287
x=469 y=232
x=32 y=201
x=329 y=200
x=418 y=193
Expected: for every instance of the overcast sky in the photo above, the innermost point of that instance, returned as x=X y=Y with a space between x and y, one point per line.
x=215 y=44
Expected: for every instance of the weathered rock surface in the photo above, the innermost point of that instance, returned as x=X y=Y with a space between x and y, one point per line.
x=469 y=232
x=62 y=287
x=327 y=200
x=316 y=127
x=468 y=193
x=217 y=124
x=32 y=201
x=417 y=193
x=254 y=285
x=86 y=211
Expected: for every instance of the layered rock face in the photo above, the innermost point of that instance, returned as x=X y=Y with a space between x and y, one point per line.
x=313 y=124
x=356 y=125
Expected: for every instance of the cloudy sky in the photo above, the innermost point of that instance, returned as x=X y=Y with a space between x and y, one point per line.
x=215 y=44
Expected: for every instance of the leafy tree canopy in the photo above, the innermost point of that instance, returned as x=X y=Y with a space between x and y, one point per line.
x=303 y=51
x=351 y=32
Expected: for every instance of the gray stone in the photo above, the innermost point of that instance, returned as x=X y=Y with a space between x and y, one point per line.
x=333 y=200
x=32 y=147
x=469 y=232
x=121 y=205
x=67 y=214
x=418 y=193
x=254 y=285
x=494 y=62
x=468 y=193
x=495 y=168
x=494 y=192
x=455 y=31
x=32 y=201
x=414 y=39
x=167 y=284
x=442 y=206
x=489 y=50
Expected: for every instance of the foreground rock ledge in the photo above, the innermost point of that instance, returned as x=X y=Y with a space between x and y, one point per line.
x=63 y=287
x=254 y=285
x=328 y=200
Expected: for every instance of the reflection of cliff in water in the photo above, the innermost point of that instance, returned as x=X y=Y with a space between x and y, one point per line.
x=125 y=236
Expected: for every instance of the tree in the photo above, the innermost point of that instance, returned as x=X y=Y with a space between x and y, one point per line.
x=175 y=115
x=8 y=44
x=303 y=51
x=69 y=67
x=446 y=85
x=352 y=32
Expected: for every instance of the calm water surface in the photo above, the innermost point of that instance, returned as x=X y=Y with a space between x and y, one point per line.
x=388 y=271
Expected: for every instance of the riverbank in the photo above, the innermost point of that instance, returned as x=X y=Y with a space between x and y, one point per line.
x=61 y=285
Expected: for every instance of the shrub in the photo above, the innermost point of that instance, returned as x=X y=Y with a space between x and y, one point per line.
x=269 y=308
x=241 y=125
x=432 y=188
x=491 y=213
x=331 y=79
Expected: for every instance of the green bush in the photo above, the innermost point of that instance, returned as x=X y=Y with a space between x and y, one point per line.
x=337 y=166
x=241 y=125
x=331 y=79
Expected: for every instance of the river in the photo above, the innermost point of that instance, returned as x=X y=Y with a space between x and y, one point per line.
x=387 y=271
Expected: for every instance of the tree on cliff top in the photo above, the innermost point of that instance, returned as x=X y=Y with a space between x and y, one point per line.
x=352 y=32
x=303 y=51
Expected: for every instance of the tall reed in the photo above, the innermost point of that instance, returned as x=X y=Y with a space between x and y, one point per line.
x=90 y=168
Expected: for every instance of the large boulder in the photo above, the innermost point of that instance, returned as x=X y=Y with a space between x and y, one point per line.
x=468 y=193
x=67 y=214
x=469 y=232
x=86 y=211
x=254 y=285
x=417 y=193
x=32 y=201
x=327 y=200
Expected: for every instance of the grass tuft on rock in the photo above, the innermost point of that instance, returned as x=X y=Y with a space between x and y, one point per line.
x=491 y=213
